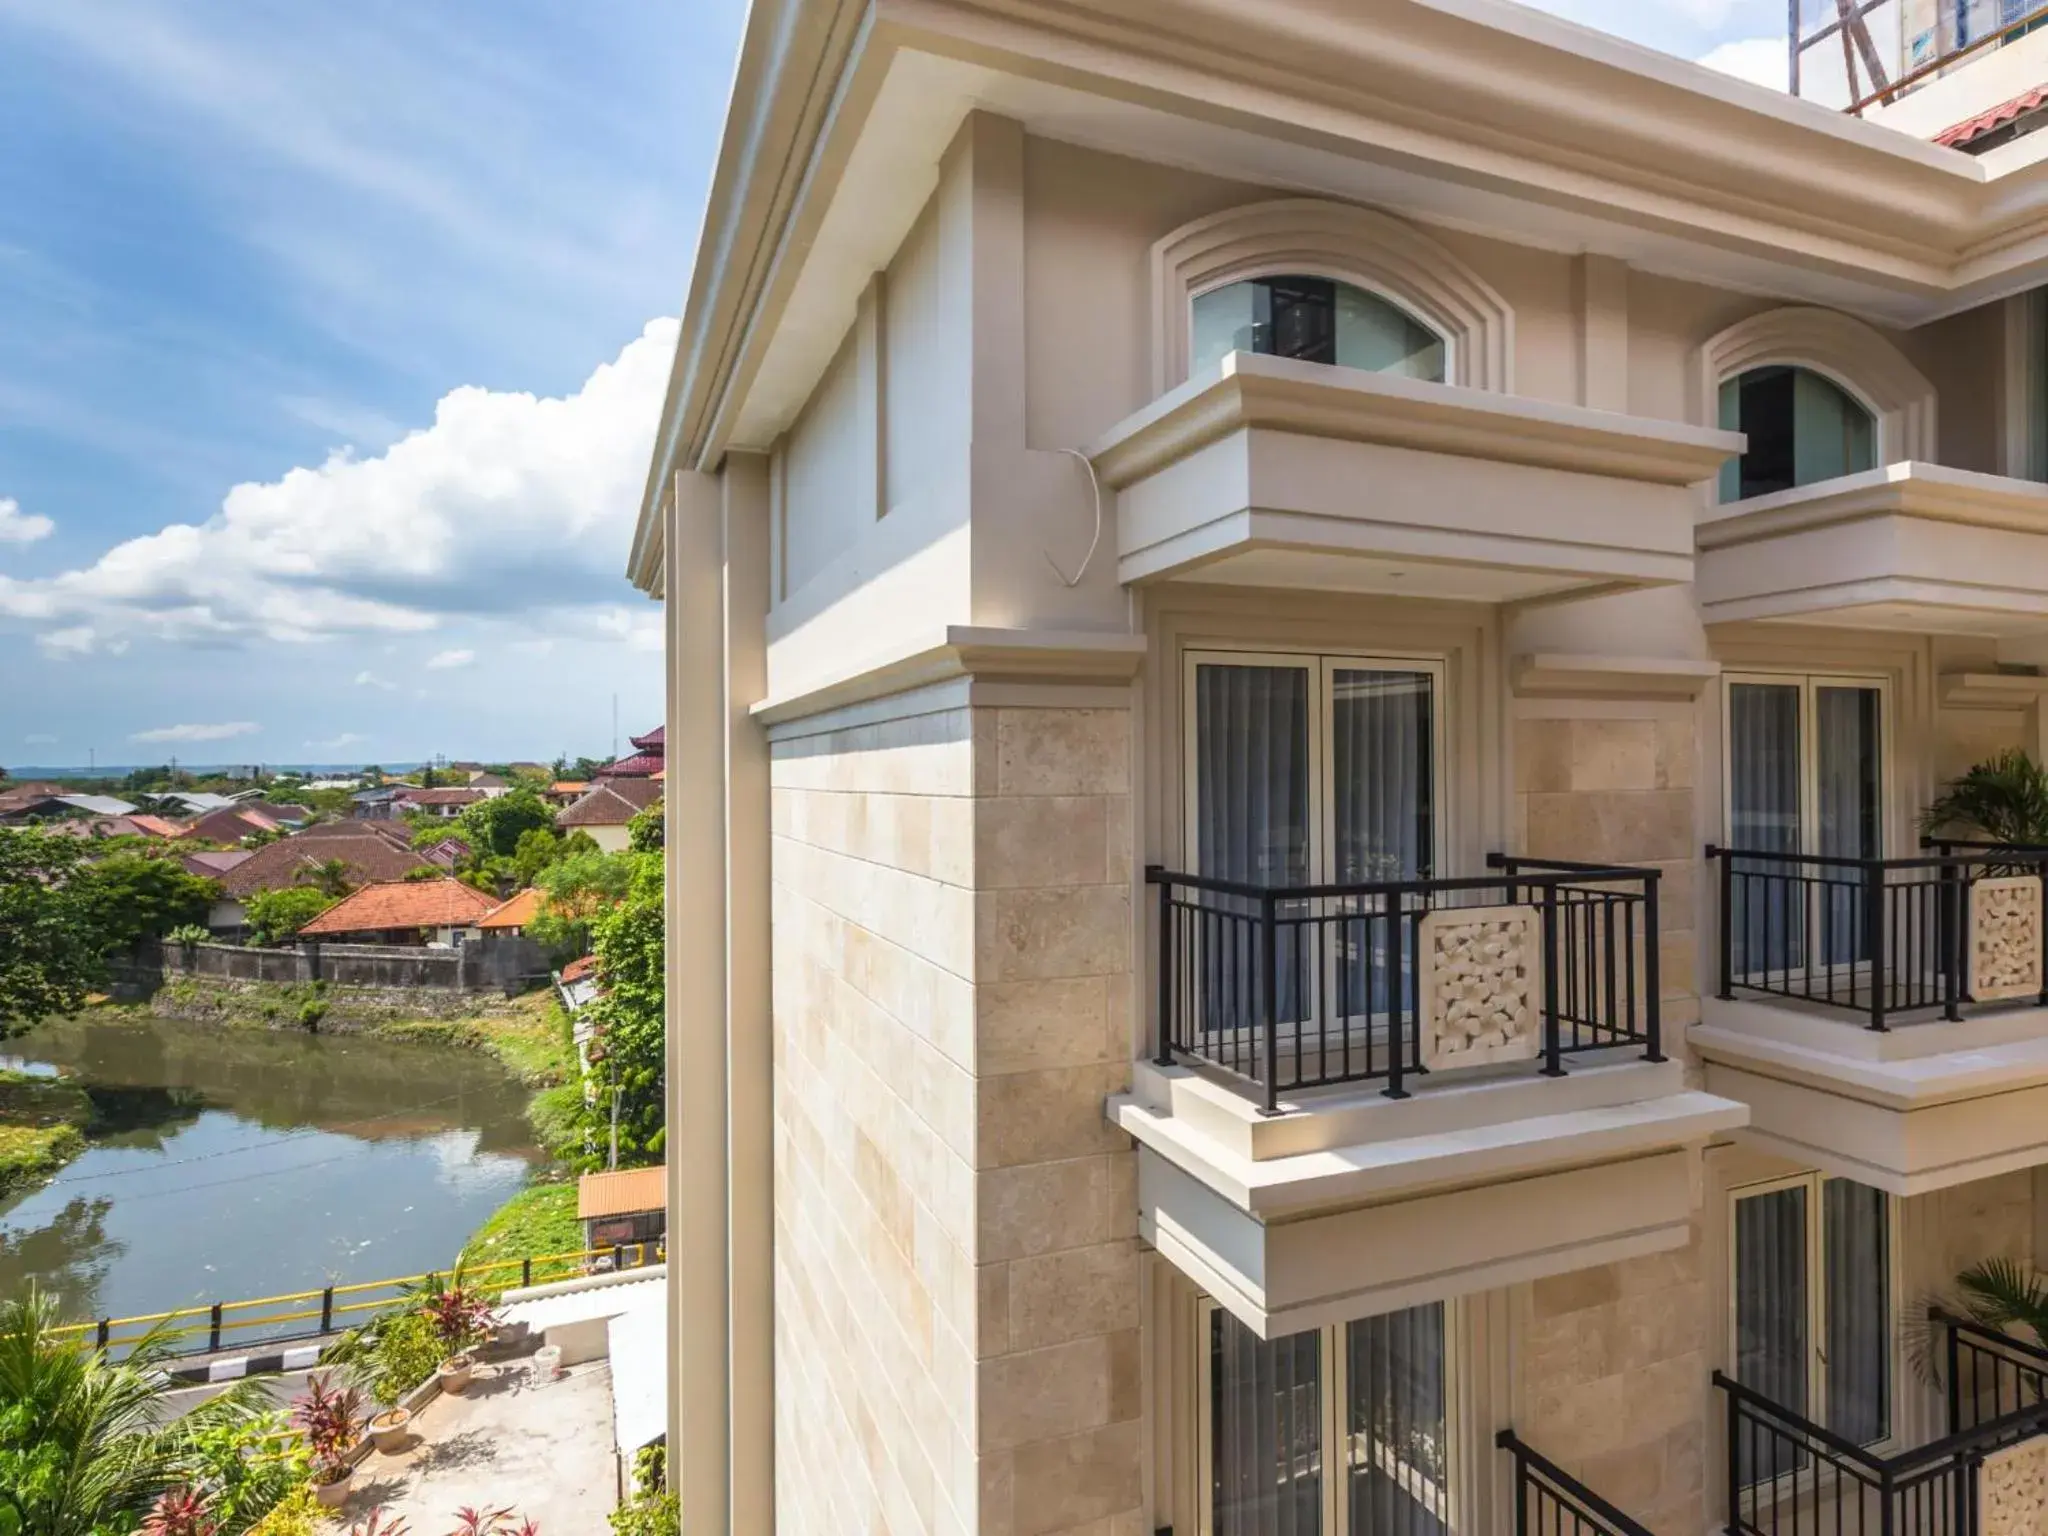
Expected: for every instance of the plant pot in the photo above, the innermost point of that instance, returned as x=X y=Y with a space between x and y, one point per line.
x=333 y=1495
x=391 y=1429
x=547 y=1362
x=455 y=1372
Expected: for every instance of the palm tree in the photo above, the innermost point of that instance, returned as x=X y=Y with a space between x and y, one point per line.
x=86 y=1444
x=2001 y=1292
x=329 y=877
x=2005 y=798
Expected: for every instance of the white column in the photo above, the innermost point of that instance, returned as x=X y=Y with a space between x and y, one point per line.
x=693 y=591
x=750 y=1105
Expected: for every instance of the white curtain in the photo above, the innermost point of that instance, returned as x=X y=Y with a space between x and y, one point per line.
x=1398 y=1476
x=1252 y=773
x=1266 y=1431
x=1383 y=766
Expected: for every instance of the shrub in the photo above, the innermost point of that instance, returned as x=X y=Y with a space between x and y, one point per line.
x=188 y=935
x=297 y=1514
x=648 y=1514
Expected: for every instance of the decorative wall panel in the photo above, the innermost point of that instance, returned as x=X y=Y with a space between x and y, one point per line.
x=2005 y=938
x=1481 y=988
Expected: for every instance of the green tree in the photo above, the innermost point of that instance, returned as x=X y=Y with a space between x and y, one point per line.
x=274 y=916
x=580 y=885
x=630 y=1076
x=646 y=832
x=130 y=897
x=538 y=848
x=329 y=877
x=86 y=1445
x=493 y=827
x=2005 y=798
x=49 y=958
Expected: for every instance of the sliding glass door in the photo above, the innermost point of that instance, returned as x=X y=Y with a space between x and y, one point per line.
x=1812 y=1274
x=1342 y=1430
x=1805 y=776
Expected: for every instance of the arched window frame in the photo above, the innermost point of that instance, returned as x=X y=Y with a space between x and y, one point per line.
x=1310 y=237
x=1856 y=358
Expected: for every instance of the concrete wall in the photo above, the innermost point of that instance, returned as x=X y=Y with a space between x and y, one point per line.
x=499 y=963
x=956 y=1271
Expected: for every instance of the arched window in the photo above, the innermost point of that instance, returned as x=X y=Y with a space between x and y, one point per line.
x=1314 y=319
x=1802 y=428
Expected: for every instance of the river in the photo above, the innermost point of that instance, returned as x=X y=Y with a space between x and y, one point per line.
x=247 y=1163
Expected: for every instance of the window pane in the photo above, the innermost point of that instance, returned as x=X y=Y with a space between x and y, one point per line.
x=1385 y=767
x=1265 y=1428
x=1856 y=1237
x=1802 y=428
x=1766 y=917
x=1374 y=335
x=1847 y=747
x=1397 y=1457
x=1252 y=773
x=1225 y=321
x=1772 y=1343
x=1314 y=320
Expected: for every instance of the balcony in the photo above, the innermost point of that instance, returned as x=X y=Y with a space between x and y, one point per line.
x=1283 y=473
x=1908 y=545
x=1885 y=1019
x=1362 y=1097
x=1983 y=1477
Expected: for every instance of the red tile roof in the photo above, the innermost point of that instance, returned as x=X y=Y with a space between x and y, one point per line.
x=1973 y=128
x=156 y=826
x=403 y=904
x=367 y=858
x=653 y=741
x=211 y=866
x=516 y=913
x=612 y=803
x=638 y=766
x=576 y=970
x=232 y=824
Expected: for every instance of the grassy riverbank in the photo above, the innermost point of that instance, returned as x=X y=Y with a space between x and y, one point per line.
x=538 y=1222
x=42 y=1127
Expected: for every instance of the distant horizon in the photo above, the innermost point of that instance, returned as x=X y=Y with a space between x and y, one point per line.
x=204 y=770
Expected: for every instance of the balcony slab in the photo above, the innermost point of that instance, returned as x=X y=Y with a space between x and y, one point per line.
x=1342 y=1207
x=1910 y=1110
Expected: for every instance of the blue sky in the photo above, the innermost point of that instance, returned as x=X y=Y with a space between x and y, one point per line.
x=331 y=338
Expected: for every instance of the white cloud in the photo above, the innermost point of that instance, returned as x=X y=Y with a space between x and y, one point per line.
x=507 y=505
x=40 y=739
x=19 y=527
x=441 y=661
x=335 y=743
x=353 y=425
x=1759 y=60
x=225 y=731
x=372 y=680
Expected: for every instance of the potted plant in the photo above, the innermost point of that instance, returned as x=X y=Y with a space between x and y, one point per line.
x=461 y=1320
x=390 y=1428
x=332 y=1421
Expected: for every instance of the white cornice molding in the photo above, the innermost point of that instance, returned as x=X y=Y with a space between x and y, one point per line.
x=1345 y=403
x=1360 y=246
x=1041 y=656
x=1928 y=491
x=1992 y=690
x=1856 y=356
x=1556 y=674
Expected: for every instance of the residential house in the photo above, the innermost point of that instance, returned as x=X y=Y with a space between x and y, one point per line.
x=645 y=759
x=64 y=805
x=195 y=802
x=369 y=853
x=447 y=803
x=623 y=1206
x=375 y=804
x=440 y=914
x=510 y=919
x=576 y=983
x=211 y=864
x=563 y=791
x=607 y=811
x=233 y=823
x=14 y=796
x=1308 y=642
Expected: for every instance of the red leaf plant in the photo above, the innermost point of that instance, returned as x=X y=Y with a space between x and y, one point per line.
x=332 y=1421
x=180 y=1512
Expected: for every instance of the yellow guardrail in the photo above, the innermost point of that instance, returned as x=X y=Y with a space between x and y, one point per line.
x=336 y=1308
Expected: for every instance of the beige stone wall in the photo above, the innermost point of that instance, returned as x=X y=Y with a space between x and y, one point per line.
x=956 y=1263
x=1612 y=1369
x=1614 y=780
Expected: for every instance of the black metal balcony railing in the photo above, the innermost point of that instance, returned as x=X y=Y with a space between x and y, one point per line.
x=1989 y=1375
x=1311 y=986
x=1551 y=1502
x=1788 y=1476
x=1879 y=937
